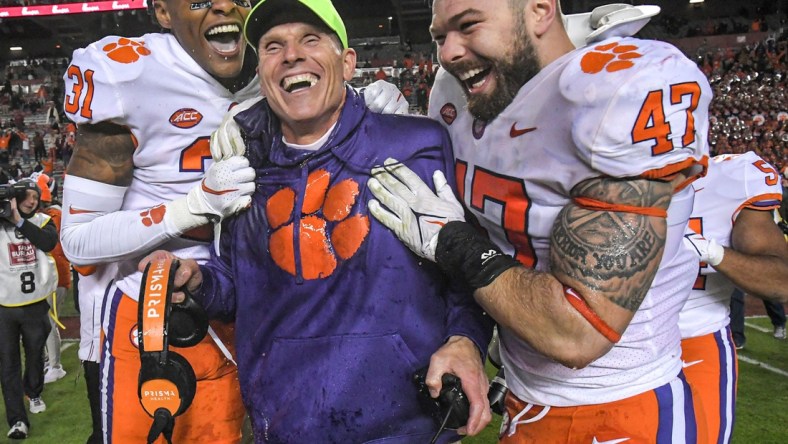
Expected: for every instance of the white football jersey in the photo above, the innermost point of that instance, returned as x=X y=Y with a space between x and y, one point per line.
x=733 y=182
x=621 y=108
x=171 y=106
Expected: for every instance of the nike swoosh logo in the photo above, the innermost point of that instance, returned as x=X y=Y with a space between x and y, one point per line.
x=611 y=441
x=685 y=364
x=436 y=222
x=214 y=192
x=699 y=189
x=72 y=210
x=514 y=132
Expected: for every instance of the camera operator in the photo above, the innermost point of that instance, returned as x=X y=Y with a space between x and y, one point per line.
x=27 y=277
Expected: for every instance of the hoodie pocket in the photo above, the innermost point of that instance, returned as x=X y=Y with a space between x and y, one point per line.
x=350 y=388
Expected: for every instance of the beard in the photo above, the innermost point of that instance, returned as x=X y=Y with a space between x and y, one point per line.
x=511 y=72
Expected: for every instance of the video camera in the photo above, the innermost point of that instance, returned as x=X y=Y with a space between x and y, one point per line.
x=8 y=191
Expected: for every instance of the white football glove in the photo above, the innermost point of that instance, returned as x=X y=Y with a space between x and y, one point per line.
x=384 y=98
x=616 y=19
x=225 y=190
x=708 y=250
x=413 y=211
x=227 y=141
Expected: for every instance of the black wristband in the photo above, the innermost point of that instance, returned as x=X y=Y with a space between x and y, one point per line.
x=461 y=249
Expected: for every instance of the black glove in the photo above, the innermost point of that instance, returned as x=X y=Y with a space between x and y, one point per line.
x=477 y=259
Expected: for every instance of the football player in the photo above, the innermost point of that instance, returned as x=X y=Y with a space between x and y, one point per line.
x=576 y=164
x=739 y=245
x=145 y=109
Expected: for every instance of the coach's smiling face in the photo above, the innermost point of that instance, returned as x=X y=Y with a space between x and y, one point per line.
x=303 y=70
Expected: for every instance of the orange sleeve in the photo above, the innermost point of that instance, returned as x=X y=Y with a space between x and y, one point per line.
x=61 y=262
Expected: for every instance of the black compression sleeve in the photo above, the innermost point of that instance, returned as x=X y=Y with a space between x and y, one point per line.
x=461 y=249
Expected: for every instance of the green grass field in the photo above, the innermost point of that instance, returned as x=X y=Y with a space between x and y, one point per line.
x=761 y=412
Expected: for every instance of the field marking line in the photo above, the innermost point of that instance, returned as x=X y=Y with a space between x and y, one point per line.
x=758 y=327
x=763 y=365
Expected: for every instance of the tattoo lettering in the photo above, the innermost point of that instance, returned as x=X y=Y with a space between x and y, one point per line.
x=614 y=253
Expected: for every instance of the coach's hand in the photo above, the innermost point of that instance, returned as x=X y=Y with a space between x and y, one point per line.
x=460 y=357
x=227 y=141
x=413 y=211
x=188 y=275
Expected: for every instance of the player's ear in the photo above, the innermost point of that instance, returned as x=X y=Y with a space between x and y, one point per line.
x=161 y=12
x=541 y=14
x=349 y=63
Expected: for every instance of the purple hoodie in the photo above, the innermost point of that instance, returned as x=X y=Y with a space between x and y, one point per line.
x=328 y=340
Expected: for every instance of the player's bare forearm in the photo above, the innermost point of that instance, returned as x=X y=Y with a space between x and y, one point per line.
x=103 y=153
x=758 y=261
x=531 y=305
x=608 y=257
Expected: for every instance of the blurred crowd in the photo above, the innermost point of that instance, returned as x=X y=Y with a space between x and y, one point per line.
x=750 y=107
x=34 y=149
x=749 y=110
x=413 y=73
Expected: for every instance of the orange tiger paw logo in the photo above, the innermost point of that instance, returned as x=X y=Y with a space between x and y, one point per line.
x=126 y=50
x=611 y=58
x=327 y=231
x=153 y=215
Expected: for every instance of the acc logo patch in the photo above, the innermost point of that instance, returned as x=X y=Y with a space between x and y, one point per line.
x=186 y=118
x=449 y=113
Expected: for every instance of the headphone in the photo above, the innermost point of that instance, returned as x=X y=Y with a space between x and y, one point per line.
x=167 y=383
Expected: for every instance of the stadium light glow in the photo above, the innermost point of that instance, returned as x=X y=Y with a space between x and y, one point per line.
x=15 y=48
x=696 y=1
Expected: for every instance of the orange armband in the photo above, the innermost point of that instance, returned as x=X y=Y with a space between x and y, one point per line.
x=577 y=301
x=593 y=204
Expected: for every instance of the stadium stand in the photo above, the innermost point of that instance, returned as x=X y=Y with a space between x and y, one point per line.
x=743 y=53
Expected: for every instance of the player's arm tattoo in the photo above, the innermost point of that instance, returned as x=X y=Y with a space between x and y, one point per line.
x=103 y=153
x=614 y=254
